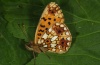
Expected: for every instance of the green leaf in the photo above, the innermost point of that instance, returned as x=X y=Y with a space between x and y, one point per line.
x=12 y=50
x=19 y=19
x=42 y=59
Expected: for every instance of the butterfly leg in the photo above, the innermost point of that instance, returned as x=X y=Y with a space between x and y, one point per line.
x=29 y=46
x=44 y=51
x=34 y=58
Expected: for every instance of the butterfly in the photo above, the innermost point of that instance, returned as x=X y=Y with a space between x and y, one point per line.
x=51 y=35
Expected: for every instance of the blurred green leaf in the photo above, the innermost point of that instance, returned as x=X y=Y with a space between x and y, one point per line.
x=43 y=59
x=18 y=21
x=12 y=50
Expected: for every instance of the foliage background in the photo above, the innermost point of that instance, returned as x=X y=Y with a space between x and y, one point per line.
x=81 y=16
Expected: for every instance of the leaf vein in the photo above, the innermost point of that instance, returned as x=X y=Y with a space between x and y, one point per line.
x=87 y=34
x=81 y=17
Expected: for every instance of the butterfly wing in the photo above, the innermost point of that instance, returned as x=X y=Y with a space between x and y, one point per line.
x=57 y=39
x=52 y=14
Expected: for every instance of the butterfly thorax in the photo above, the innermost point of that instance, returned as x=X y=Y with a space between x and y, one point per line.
x=38 y=48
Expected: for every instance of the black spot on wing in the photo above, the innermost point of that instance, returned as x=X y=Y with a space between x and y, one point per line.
x=39 y=34
x=42 y=25
x=49 y=18
x=44 y=18
x=54 y=19
x=49 y=23
x=46 y=28
x=41 y=30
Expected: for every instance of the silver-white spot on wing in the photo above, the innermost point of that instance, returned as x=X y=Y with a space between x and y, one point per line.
x=45 y=36
x=53 y=49
x=67 y=33
x=61 y=25
x=39 y=41
x=53 y=45
x=50 y=29
x=45 y=46
x=57 y=23
x=69 y=38
x=54 y=38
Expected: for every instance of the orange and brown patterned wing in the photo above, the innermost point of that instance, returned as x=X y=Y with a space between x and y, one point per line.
x=57 y=39
x=51 y=14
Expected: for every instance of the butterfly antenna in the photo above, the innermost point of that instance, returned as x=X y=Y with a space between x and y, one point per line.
x=34 y=58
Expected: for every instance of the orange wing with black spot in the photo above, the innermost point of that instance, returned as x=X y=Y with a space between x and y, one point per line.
x=50 y=16
x=52 y=34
